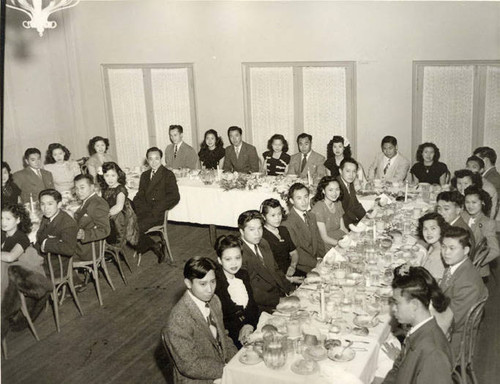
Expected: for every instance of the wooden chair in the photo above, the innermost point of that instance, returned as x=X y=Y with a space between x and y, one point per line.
x=26 y=314
x=463 y=365
x=162 y=231
x=92 y=266
x=170 y=360
x=480 y=253
x=59 y=285
x=116 y=251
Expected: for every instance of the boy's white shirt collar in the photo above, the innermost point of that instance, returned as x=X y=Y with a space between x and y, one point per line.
x=453 y=268
x=419 y=325
x=200 y=304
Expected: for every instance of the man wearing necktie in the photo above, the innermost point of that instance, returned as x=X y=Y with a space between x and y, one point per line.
x=240 y=156
x=306 y=162
x=426 y=355
x=195 y=332
x=268 y=282
x=389 y=164
x=32 y=179
x=353 y=210
x=179 y=154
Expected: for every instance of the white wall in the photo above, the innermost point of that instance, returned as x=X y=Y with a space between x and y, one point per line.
x=59 y=84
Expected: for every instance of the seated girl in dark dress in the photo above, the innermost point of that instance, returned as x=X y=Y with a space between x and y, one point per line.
x=338 y=149
x=122 y=217
x=212 y=150
x=428 y=169
x=10 y=190
x=278 y=237
x=276 y=158
x=234 y=290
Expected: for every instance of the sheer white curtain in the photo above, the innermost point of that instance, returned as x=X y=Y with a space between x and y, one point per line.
x=171 y=103
x=128 y=109
x=447 y=116
x=492 y=109
x=325 y=104
x=271 y=104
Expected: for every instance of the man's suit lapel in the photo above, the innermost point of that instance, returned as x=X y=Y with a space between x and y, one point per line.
x=263 y=272
x=156 y=178
x=202 y=322
x=299 y=222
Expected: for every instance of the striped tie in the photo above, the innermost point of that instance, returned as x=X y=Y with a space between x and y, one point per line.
x=387 y=166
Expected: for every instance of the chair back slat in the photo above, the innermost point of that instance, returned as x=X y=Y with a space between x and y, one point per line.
x=481 y=251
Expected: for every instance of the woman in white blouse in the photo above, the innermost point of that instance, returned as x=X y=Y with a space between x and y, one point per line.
x=234 y=291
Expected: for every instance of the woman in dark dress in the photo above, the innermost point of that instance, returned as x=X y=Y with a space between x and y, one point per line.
x=276 y=158
x=337 y=150
x=278 y=237
x=212 y=150
x=234 y=290
x=428 y=168
x=120 y=212
x=10 y=190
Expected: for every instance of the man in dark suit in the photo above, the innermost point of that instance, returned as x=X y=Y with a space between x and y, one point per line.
x=32 y=179
x=303 y=228
x=92 y=217
x=267 y=280
x=426 y=356
x=461 y=281
x=57 y=232
x=306 y=161
x=490 y=173
x=240 y=156
x=195 y=332
x=353 y=210
x=158 y=192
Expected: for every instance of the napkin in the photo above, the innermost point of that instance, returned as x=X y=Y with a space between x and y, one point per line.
x=333 y=256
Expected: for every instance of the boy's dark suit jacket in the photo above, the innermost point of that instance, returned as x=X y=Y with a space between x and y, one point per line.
x=93 y=218
x=199 y=358
x=353 y=210
x=29 y=182
x=465 y=288
x=267 y=281
x=155 y=197
x=425 y=358
x=235 y=316
x=61 y=239
x=247 y=161
x=307 y=239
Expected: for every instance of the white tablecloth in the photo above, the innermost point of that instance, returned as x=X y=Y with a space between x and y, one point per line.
x=210 y=204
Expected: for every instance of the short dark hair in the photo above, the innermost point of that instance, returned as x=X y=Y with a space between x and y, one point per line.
x=94 y=140
x=486 y=152
x=304 y=135
x=350 y=160
x=421 y=148
x=475 y=178
x=431 y=216
x=476 y=159
x=31 y=151
x=154 y=149
x=294 y=188
x=271 y=203
x=178 y=127
x=389 y=139
x=49 y=159
x=224 y=242
x=451 y=197
x=20 y=212
x=234 y=128
x=418 y=283
x=198 y=267
x=323 y=183
x=483 y=196
x=277 y=136
x=85 y=176
x=248 y=216
x=459 y=233
x=51 y=192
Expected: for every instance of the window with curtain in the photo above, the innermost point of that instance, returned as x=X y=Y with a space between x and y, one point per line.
x=142 y=102
x=291 y=98
x=457 y=107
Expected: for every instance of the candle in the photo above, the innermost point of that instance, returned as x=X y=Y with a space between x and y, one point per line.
x=309 y=180
x=322 y=303
x=406 y=191
x=32 y=203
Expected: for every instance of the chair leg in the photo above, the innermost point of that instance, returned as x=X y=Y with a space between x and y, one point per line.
x=63 y=295
x=72 y=289
x=106 y=274
x=170 y=255
x=126 y=260
x=4 y=348
x=139 y=257
x=95 y=275
x=55 y=303
x=119 y=264
x=24 y=310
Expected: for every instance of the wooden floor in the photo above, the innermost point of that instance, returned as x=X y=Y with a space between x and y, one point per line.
x=120 y=342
